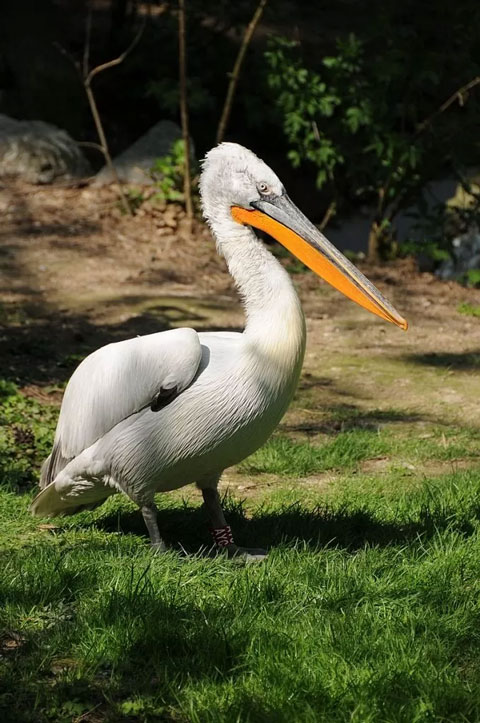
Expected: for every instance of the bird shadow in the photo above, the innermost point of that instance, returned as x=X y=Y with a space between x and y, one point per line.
x=459 y=361
x=347 y=417
x=164 y=637
x=185 y=528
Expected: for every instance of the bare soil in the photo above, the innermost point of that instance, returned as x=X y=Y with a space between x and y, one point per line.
x=76 y=273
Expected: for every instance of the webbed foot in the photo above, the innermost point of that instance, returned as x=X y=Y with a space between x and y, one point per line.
x=244 y=554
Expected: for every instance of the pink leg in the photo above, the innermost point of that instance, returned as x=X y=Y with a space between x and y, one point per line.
x=221 y=532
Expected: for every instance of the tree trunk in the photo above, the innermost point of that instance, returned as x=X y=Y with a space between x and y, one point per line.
x=232 y=86
x=187 y=181
x=374 y=243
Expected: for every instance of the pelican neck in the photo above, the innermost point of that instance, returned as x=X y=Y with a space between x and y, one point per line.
x=274 y=316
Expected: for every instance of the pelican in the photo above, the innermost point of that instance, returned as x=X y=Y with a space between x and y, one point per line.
x=161 y=411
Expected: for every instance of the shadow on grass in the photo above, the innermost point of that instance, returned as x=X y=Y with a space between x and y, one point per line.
x=162 y=642
x=345 y=528
x=138 y=639
x=465 y=361
x=347 y=417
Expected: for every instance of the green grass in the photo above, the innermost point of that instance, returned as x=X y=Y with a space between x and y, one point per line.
x=26 y=433
x=284 y=456
x=469 y=309
x=367 y=609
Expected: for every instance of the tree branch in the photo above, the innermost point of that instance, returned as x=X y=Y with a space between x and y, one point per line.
x=116 y=61
x=235 y=74
x=86 y=47
x=89 y=144
x=458 y=95
x=329 y=213
x=389 y=211
x=86 y=77
x=182 y=71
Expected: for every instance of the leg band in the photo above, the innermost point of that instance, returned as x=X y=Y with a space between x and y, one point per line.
x=222 y=536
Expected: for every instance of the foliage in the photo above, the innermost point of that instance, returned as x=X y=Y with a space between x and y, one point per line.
x=437 y=226
x=167 y=173
x=366 y=115
x=166 y=94
x=472 y=277
x=26 y=435
x=337 y=119
x=468 y=309
x=152 y=75
x=135 y=198
x=429 y=235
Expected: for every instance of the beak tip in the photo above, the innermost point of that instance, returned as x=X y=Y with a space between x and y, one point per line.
x=335 y=269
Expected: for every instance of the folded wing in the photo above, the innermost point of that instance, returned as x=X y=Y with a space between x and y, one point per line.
x=117 y=381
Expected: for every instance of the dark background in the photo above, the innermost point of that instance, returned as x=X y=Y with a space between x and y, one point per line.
x=414 y=56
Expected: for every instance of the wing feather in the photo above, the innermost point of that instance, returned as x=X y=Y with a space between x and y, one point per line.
x=117 y=381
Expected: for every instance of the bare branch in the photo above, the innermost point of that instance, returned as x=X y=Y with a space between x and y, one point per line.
x=86 y=47
x=329 y=213
x=89 y=144
x=458 y=95
x=70 y=58
x=120 y=59
x=87 y=78
x=388 y=211
x=232 y=86
x=182 y=66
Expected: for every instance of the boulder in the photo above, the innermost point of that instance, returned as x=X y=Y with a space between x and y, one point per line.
x=465 y=256
x=134 y=165
x=39 y=152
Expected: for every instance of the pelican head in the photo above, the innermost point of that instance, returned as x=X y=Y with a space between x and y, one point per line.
x=238 y=189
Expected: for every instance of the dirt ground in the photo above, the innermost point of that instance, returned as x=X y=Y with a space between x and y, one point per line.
x=76 y=273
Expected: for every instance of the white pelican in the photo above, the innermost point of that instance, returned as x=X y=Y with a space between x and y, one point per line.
x=157 y=412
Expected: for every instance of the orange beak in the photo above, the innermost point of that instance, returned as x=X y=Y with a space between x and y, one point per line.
x=280 y=218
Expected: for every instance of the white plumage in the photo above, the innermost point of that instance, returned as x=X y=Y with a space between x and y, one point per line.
x=121 y=379
x=217 y=396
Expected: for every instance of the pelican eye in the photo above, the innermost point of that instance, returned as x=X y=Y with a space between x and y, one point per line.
x=264 y=188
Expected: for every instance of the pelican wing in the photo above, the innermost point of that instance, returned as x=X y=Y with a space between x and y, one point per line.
x=117 y=381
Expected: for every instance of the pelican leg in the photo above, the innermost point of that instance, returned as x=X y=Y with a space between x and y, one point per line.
x=149 y=513
x=221 y=531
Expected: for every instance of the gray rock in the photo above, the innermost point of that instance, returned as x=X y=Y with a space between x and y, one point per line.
x=465 y=256
x=134 y=165
x=38 y=152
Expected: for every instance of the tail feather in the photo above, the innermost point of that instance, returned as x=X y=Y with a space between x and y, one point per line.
x=50 y=503
x=54 y=464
